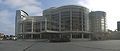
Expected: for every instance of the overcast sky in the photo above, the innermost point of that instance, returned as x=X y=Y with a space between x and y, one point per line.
x=35 y=7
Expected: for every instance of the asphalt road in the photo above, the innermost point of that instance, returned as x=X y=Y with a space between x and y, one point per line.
x=75 y=45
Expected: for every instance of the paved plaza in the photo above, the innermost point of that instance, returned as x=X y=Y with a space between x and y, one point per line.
x=75 y=45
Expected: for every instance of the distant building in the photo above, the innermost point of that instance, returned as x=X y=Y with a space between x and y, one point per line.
x=115 y=35
x=118 y=26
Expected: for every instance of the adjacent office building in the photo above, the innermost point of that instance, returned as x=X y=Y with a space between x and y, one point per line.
x=97 y=23
x=70 y=19
x=29 y=27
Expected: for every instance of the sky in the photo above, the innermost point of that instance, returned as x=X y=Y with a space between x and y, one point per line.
x=35 y=7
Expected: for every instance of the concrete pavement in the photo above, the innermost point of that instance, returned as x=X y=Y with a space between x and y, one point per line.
x=75 y=45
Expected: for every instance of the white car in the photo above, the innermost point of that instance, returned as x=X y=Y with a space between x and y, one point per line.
x=14 y=38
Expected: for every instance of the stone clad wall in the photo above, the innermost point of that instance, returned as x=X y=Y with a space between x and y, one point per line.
x=100 y=36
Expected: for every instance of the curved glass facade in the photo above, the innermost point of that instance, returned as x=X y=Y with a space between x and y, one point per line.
x=67 y=18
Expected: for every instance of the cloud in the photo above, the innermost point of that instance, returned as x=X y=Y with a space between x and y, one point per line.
x=83 y=2
x=6 y=25
x=32 y=9
x=7 y=16
x=109 y=6
x=30 y=6
x=19 y=3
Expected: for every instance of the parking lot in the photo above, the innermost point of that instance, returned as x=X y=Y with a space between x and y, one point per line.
x=75 y=45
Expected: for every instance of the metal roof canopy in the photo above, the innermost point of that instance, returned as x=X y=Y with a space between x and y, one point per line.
x=55 y=32
x=60 y=32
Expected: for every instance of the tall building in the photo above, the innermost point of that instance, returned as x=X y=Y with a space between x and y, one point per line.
x=29 y=27
x=20 y=16
x=70 y=19
x=97 y=21
x=118 y=25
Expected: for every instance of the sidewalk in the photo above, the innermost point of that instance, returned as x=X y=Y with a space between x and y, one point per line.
x=38 y=40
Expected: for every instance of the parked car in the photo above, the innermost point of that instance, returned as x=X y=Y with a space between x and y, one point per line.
x=1 y=38
x=14 y=38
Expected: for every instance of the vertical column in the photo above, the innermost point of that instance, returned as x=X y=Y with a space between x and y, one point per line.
x=31 y=36
x=23 y=36
x=60 y=35
x=82 y=36
x=32 y=25
x=45 y=24
x=23 y=27
x=41 y=26
x=70 y=19
x=20 y=27
x=71 y=23
x=40 y=36
x=82 y=20
x=32 y=29
x=59 y=21
x=89 y=36
x=71 y=36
